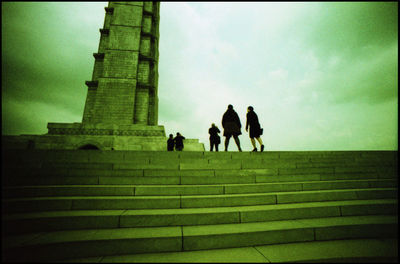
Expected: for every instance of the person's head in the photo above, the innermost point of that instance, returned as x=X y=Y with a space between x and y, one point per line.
x=230 y=107
x=171 y=136
x=250 y=108
x=178 y=134
x=213 y=125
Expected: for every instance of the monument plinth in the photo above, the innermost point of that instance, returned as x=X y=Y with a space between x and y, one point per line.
x=121 y=109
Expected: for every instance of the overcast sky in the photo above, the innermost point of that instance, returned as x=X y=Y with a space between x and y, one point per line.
x=320 y=75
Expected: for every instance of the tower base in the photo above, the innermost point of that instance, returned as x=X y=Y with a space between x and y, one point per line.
x=98 y=136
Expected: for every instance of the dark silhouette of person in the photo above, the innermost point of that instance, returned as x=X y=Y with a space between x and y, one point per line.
x=214 y=137
x=231 y=124
x=170 y=143
x=179 y=142
x=255 y=128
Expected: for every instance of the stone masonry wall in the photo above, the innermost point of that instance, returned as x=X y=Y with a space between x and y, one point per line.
x=124 y=83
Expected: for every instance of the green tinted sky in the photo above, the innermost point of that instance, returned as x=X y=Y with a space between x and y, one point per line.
x=320 y=75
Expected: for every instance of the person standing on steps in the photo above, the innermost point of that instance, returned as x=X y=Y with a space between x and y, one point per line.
x=214 y=137
x=255 y=128
x=179 y=142
x=170 y=143
x=231 y=124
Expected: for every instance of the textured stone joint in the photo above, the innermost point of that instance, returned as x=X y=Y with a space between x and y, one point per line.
x=109 y=10
x=147 y=34
x=105 y=31
x=80 y=131
x=147 y=13
x=98 y=56
x=147 y=58
x=92 y=84
x=145 y=86
x=127 y=26
x=132 y=50
x=128 y=4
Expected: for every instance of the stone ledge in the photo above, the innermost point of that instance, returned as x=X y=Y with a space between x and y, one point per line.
x=139 y=142
x=104 y=129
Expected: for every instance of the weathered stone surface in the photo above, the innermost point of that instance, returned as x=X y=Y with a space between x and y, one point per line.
x=136 y=139
x=127 y=15
x=51 y=193
x=85 y=243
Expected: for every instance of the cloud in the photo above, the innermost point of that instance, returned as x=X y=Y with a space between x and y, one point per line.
x=46 y=60
x=348 y=28
x=18 y=118
x=369 y=79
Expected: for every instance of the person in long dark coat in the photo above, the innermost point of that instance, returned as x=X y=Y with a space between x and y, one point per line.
x=179 y=142
x=170 y=143
x=255 y=128
x=214 y=137
x=231 y=124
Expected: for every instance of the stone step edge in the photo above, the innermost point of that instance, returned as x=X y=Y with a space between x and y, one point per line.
x=206 y=154
x=142 y=170
x=176 y=164
x=305 y=252
x=191 y=185
x=120 y=197
x=251 y=178
x=185 y=211
x=176 y=189
x=182 y=232
x=216 y=189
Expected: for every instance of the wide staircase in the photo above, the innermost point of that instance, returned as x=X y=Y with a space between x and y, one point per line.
x=116 y=206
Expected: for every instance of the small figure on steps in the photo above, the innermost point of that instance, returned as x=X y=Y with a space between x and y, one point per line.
x=255 y=128
x=170 y=143
x=179 y=142
x=214 y=137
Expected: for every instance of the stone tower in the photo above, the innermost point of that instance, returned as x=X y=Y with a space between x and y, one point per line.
x=123 y=88
x=121 y=109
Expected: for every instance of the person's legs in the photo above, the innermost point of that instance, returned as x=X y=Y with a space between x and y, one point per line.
x=227 y=142
x=253 y=142
x=216 y=147
x=261 y=143
x=211 y=145
x=237 y=141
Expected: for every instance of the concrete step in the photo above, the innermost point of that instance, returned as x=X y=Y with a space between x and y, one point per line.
x=204 y=163
x=63 y=204
x=96 y=155
x=37 y=158
x=189 y=201
x=336 y=251
x=88 y=219
x=25 y=176
x=275 y=232
x=60 y=245
x=171 y=180
x=138 y=190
